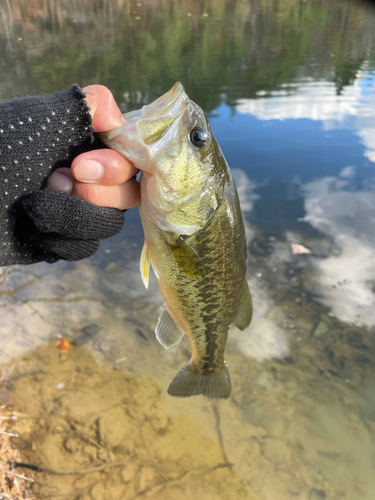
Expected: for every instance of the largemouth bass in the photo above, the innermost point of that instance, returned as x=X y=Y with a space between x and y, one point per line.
x=194 y=235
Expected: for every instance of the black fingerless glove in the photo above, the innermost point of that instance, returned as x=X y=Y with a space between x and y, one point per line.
x=37 y=135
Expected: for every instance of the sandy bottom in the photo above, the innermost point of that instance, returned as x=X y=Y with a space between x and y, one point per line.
x=300 y=422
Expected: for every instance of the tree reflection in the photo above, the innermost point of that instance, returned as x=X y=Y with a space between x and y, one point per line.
x=219 y=49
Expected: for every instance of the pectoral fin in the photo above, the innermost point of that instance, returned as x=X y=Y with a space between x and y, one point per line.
x=187 y=258
x=245 y=310
x=145 y=263
x=167 y=332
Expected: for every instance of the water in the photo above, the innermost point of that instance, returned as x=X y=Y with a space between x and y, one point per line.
x=289 y=89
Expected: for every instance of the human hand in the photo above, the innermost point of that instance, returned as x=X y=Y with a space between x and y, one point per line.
x=37 y=134
x=101 y=176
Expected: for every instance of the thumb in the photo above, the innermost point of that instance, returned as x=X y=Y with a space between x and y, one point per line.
x=106 y=115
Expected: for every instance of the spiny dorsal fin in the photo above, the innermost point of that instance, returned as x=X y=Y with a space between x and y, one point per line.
x=191 y=382
x=167 y=332
x=245 y=310
x=145 y=264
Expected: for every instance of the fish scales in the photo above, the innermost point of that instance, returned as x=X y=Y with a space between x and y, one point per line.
x=202 y=299
x=194 y=235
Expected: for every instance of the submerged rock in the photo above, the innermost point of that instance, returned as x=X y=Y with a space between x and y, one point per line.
x=317 y=494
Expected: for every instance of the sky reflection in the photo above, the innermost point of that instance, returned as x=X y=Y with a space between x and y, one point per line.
x=334 y=191
x=354 y=109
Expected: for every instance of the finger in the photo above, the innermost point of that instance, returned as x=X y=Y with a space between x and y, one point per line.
x=122 y=196
x=86 y=220
x=69 y=250
x=106 y=115
x=103 y=166
x=61 y=180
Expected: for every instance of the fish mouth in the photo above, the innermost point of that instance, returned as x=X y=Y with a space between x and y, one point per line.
x=149 y=130
x=171 y=103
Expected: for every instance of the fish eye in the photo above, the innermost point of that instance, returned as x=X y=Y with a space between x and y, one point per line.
x=198 y=136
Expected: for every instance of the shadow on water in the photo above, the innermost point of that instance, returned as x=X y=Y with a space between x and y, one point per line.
x=289 y=88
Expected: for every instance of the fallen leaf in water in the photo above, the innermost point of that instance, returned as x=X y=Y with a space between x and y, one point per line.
x=297 y=249
x=63 y=345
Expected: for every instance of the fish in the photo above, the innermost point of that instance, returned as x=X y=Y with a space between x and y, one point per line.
x=194 y=235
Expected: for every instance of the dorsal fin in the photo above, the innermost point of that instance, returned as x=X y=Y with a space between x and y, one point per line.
x=245 y=310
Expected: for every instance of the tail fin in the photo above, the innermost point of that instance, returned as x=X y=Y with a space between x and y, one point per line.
x=189 y=382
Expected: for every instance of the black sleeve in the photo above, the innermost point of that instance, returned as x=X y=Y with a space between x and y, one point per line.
x=37 y=135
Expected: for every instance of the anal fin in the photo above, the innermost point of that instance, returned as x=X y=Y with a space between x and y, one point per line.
x=145 y=264
x=167 y=332
x=245 y=310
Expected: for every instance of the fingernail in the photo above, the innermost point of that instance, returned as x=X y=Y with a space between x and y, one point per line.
x=88 y=170
x=60 y=182
x=124 y=121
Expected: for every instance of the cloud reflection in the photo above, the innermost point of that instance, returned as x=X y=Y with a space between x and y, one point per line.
x=263 y=339
x=344 y=282
x=354 y=108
